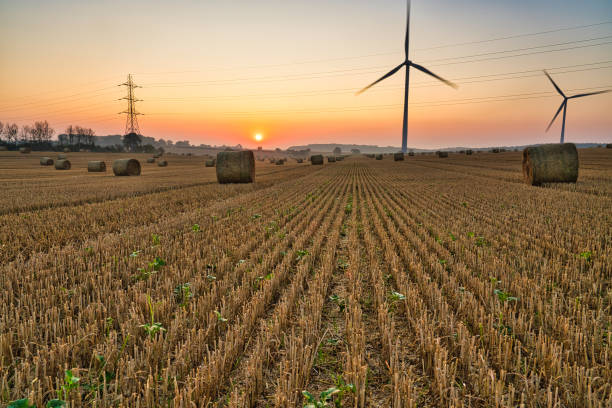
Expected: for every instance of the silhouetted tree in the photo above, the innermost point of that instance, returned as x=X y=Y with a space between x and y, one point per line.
x=132 y=141
x=337 y=150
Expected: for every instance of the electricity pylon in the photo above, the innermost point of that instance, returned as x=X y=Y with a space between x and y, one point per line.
x=131 y=123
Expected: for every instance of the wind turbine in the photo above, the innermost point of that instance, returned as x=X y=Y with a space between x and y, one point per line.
x=408 y=64
x=564 y=104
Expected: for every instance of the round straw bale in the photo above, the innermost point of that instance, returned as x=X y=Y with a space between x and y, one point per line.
x=210 y=163
x=399 y=156
x=236 y=167
x=62 y=164
x=151 y=160
x=46 y=161
x=442 y=154
x=162 y=163
x=300 y=160
x=62 y=157
x=331 y=159
x=280 y=162
x=550 y=163
x=316 y=159
x=66 y=150
x=410 y=154
x=469 y=152
x=24 y=150
x=609 y=146
x=96 y=166
x=379 y=156
x=126 y=167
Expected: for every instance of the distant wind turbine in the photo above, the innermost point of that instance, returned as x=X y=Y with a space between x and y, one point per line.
x=564 y=104
x=408 y=64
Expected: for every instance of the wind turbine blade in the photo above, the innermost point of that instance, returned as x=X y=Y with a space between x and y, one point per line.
x=556 y=114
x=589 y=94
x=387 y=75
x=554 y=84
x=428 y=72
x=407 y=41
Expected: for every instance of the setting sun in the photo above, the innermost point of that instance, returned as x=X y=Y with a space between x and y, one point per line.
x=259 y=137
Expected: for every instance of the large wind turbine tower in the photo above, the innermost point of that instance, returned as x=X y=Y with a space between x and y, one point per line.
x=408 y=64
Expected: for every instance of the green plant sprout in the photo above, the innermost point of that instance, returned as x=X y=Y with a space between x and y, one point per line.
x=153 y=327
x=301 y=254
x=195 y=228
x=183 y=294
x=219 y=317
x=341 y=303
x=504 y=296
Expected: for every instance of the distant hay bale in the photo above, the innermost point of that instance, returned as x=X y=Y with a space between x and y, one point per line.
x=442 y=154
x=280 y=162
x=236 y=167
x=469 y=152
x=300 y=161
x=316 y=159
x=25 y=150
x=495 y=150
x=331 y=159
x=62 y=164
x=272 y=161
x=62 y=156
x=379 y=156
x=126 y=167
x=46 y=161
x=66 y=150
x=151 y=160
x=399 y=156
x=550 y=163
x=609 y=146
x=96 y=166
x=411 y=154
x=162 y=163
x=210 y=163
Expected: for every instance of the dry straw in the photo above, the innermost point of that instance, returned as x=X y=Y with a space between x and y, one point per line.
x=62 y=164
x=550 y=163
x=96 y=166
x=235 y=167
x=46 y=161
x=126 y=167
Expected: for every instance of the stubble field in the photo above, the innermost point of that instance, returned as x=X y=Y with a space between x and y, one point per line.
x=423 y=283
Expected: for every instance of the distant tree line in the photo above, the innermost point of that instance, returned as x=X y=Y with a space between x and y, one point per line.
x=37 y=135
x=77 y=136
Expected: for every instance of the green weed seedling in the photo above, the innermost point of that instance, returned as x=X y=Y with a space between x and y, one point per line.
x=343 y=264
x=155 y=239
x=470 y=235
x=301 y=254
x=256 y=216
x=504 y=296
x=152 y=268
x=341 y=303
x=22 y=403
x=587 y=256
x=261 y=278
x=211 y=278
x=219 y=317
x=71 y=382
x=332 y=397
x=134 y=254
x=183 y=294
x=195 y=228
x=480 y=242
x=153 y=327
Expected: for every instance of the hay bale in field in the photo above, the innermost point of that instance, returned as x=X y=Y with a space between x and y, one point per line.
x=62 y=157
x=66 y=150
x=62 y=164
x=469 y=152
x=442 y=154
x=609 y=146
x=162 y=163
x=379 y=156
x=399 y=156
x=272 y=161
x=210 y=163
x=280 y=162
x=300 y=161
x=550 y=163
x=495 y=150
x=126 y=167
x=331 y=159
x=96 y=166
x=236 y=167
x=316 y=159
x=411 y=154
x=25 y=150
x=46 y=161
x=151 y=160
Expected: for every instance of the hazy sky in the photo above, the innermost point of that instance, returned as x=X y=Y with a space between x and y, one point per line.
x=217 y=72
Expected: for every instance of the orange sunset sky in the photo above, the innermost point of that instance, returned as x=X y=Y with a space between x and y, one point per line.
x=218 y=72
